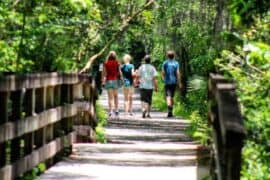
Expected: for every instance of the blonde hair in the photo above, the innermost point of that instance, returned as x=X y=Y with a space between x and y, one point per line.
x=127 y=58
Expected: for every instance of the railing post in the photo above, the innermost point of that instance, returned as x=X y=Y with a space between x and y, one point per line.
x=30 y=122
x=4 y=100
x=228 y=128
x=86 y=91
x=93 y=101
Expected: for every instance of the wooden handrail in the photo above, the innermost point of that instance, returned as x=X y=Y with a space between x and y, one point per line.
x=227 y=127
x=37 y=115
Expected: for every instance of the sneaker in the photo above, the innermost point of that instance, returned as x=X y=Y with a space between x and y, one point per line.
x=131 y=114
x=116 y=113
x=148 y=115
x=143 y=114
x=110 y=114
x=170 y=115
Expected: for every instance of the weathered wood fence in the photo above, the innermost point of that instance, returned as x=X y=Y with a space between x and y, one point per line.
x=37 y=114
x=228 y=129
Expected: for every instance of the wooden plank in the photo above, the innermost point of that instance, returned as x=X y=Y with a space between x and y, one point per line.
x=214 y=80
x=70 y=78
x=38 y=80
x=78 y=91
x=12 y=130
x=40 y=155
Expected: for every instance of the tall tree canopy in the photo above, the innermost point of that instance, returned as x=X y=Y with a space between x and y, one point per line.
x=226 y=36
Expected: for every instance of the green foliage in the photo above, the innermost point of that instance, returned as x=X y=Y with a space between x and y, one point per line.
x=34 y=173
x=246 y=12
x=194 y=108
x=159 y=101
x=199 y=128
x=100 y=134
x=102 y=121
x=249 y=67
x=255 y=161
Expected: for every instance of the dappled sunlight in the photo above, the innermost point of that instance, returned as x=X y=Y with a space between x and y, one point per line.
x=154 y=148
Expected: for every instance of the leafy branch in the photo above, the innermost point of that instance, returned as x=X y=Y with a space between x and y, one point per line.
x=122 y=28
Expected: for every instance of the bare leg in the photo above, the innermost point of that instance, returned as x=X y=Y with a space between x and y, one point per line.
x=144 y=108
x=115 y=97
x=110 y=99
x=169 y=101
x=130 y=94
x=126 y=98
x=170 y=106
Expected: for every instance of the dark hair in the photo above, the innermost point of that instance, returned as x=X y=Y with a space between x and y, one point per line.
x=112 y=55
x=170 y=54
x=147 y=58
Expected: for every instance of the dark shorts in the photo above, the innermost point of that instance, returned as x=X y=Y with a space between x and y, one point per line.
x=146 y=95
x=170 y=90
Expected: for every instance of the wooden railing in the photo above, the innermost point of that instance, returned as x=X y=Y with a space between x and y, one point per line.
x=37 y=114
x=228 y=129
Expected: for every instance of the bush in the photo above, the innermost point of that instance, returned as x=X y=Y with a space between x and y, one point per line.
x=252 y=79
x=102 y=121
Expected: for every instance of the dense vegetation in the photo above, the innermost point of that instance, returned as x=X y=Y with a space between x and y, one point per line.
x=231 y=37
x=247 y=61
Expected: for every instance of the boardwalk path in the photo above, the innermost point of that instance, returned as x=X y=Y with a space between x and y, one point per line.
x=137 y=148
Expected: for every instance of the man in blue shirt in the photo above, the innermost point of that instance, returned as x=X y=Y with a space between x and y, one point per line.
x=170 y=76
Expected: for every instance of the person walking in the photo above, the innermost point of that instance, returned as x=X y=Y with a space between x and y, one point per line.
x=111 y=74
x=170 y=76
x=127 y=70
x=147 y=76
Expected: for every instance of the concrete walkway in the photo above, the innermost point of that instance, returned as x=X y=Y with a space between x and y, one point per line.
x=137 y=148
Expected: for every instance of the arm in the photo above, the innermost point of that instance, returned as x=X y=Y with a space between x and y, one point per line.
x=163 y=74
x=104 y=74
x=133 y=73
x=155 y=83
x=178 y=73
x=120 y=72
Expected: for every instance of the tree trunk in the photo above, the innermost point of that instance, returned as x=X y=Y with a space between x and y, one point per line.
x=221 y=21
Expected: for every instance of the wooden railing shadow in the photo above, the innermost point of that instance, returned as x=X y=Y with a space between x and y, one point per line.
x=227 y=127
x=38 y=113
